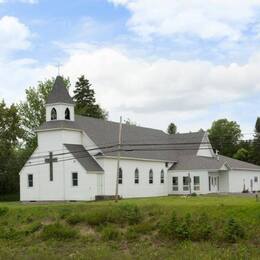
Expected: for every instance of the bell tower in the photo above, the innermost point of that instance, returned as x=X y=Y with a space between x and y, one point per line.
x=59 y=105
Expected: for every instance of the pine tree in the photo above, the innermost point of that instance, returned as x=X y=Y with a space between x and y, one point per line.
x=172 y=129
x=84 y=97
x=256 y=143
x=257 y=126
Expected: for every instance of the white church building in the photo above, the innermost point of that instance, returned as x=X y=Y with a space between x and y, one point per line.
x=76 y=159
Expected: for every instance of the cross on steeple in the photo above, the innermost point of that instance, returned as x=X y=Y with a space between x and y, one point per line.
x=51 y=160
x=58 y=66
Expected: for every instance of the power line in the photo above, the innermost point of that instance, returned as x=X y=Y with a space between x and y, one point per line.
x=129 y=144
x=169 y=136
x=122 y=150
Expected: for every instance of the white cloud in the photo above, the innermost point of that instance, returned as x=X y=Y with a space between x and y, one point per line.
x=152 y=93
x=164 y=84
x=214 y=19
x=14 y=35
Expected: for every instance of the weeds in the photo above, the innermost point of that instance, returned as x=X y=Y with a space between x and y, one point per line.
x=58 y=231
x=3 y=211
x=110 y=233
x=233 y=231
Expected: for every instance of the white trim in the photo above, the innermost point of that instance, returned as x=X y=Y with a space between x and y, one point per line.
x=60 y=103
x=59 y=128
x=95 y=172
x=204 y=170
x=245 y=169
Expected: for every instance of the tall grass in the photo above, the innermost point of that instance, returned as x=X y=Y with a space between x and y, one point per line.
x=158 y=228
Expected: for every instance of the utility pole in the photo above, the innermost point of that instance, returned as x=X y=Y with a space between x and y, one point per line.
x=118 y=157
x=189 y=183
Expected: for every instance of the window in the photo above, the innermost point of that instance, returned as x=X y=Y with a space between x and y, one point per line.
x=120 y=176
x=196 y=182
x=162 y=176
x=74 y=179
x=53 y=114
x=209 y=183
x=175 y=184
x=151 y=176
x=30 y=180
x=185 y=183
x=136 y=176
x=67 y=114
x=256 y=179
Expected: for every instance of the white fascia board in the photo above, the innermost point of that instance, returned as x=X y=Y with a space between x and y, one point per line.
x=60 y=128
x=59 y=103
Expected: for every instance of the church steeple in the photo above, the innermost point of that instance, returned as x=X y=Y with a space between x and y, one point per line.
x=59 y=104
x=59 y=93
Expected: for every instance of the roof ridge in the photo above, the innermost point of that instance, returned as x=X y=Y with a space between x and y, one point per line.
x=230 y=158
x=124 y=124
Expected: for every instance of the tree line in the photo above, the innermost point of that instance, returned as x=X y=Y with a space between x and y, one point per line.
x=18 y=123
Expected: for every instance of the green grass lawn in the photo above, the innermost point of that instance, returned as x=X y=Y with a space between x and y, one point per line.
x=225 y=227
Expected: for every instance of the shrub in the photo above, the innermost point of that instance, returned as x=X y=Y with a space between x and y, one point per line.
x=9 y=233
x=33 y=228
x=58 y=231
x=131 y=233
x=75 y=219
x=193 y=194
x=233 y=231
x=3 y=211
x=131 y=213
x=177 y=228
x=182 y=231
x=110 y=233
x=201 y=229
x=64 y=213
x=96 y=217
x=144 y=228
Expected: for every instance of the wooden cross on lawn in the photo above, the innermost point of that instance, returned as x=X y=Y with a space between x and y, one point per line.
x=51 y=160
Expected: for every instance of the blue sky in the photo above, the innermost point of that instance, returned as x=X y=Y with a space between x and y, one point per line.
x=153 y=61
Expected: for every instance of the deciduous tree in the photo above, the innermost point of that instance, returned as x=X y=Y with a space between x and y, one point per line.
x=10 y=133
x=224 y=136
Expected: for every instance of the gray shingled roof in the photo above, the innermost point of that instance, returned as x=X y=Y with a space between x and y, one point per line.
x=58 y=124
x=84 y=158
x=237 y=164
x=59 y=93
x=157 y=144
x=149 y=144
x=161 y=145
x=207 y=163
x=192 y=162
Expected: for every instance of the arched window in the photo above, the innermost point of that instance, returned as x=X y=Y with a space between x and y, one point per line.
x=151 y=176
x=120 y=176
x=136 y=176
x=53 y=114
x=162 y=176
x=67 y=114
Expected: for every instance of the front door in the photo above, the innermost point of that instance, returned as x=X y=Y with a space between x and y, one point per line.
x=213 y=183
